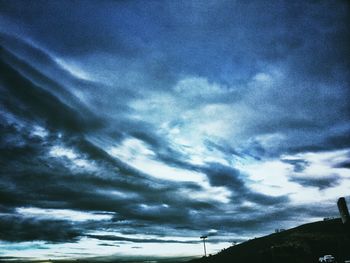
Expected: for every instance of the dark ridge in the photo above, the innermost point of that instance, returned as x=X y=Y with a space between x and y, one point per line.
x=303 y=244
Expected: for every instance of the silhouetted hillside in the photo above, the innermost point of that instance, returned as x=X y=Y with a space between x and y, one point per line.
x=303 y=244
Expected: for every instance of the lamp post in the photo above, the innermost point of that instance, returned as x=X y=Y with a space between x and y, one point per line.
x=205 y=250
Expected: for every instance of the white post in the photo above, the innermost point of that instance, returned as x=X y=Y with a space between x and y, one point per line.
x=205 y=250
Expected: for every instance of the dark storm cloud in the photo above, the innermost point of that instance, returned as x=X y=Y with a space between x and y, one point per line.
x=17 y=229
x=51 y=98
x=138 y=240
x=321 y=183
x=162 y=149
x=345 y=164
x=38 y=103
x=220 y=175
x=299 y=165
x=224 y=147
x=30 y=58
x=339 y=139
x=234 y=180
x=109 y=245
x=45 y=107
x=309 y=140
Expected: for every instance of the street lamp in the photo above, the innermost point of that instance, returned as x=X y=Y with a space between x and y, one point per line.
x=205 y=250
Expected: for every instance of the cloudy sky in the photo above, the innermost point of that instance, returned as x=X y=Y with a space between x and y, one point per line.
x=132 y=128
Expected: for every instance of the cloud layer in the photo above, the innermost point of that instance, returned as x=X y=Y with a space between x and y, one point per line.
x=130 y=124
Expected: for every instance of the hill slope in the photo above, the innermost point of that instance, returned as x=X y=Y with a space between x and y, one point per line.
x=303 y=244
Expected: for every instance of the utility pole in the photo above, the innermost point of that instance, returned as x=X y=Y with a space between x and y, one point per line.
x=205 y=250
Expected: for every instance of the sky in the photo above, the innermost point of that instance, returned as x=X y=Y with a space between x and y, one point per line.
x=132 y=128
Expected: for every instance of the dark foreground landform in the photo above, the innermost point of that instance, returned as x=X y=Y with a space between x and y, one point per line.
x=303 y=244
